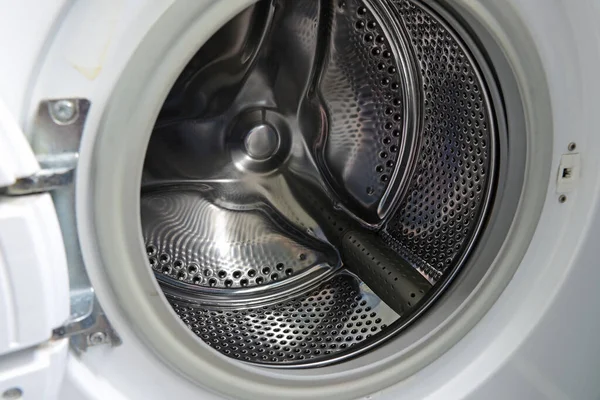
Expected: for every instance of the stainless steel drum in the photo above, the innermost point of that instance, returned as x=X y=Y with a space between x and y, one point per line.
x=318 y=174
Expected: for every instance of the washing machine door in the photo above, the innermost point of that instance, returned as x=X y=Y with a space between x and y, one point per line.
x=34 y=285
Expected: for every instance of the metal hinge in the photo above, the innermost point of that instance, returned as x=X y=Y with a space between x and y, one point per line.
x=87 y=325
x=56 y=172
x=55 y=139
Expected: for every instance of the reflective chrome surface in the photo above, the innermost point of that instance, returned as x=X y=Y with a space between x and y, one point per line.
x=450 y=189
x=55 y=139
x=314 y=146
x=328 y=81
x=87 y=326
x=197 y=241
x=261 y=142
x=336 y=316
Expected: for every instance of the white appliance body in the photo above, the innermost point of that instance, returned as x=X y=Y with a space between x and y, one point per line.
x=537 y=338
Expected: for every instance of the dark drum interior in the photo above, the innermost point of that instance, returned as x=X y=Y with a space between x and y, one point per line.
x=318 y=175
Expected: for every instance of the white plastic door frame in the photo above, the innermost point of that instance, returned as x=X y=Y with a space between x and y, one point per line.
x=34 y=285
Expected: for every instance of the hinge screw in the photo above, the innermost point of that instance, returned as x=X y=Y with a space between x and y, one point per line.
x=63 y=112
x=96 y=338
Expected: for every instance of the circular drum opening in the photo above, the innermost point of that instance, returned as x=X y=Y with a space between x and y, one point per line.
x=319 y=174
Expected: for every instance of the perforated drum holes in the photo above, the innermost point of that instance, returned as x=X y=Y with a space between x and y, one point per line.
x=447 y=192
x=330 y=319
x=261 y=282
x=361 y=87
x=257 y=252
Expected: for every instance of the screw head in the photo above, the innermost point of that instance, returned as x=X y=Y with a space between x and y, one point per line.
x=97 y=338
x=562 y=198
x=572 y=146
x=63 y=112
x=12 y=394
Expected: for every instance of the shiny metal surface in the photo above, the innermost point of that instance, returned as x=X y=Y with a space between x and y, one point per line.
x=333 y=318
x=55 y=139
x=56 y=145
x=64 y=111
x=368 y=91
x=310 y=84
x=193 y=240
x=45 y=180
x=437 y=222
x=261 y=142
x=87 y=325
x=305 y=140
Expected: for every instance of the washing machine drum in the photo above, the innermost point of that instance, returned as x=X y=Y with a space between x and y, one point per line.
x=317 y=176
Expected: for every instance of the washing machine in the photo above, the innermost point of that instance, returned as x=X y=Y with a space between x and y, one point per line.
x=307 y=199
